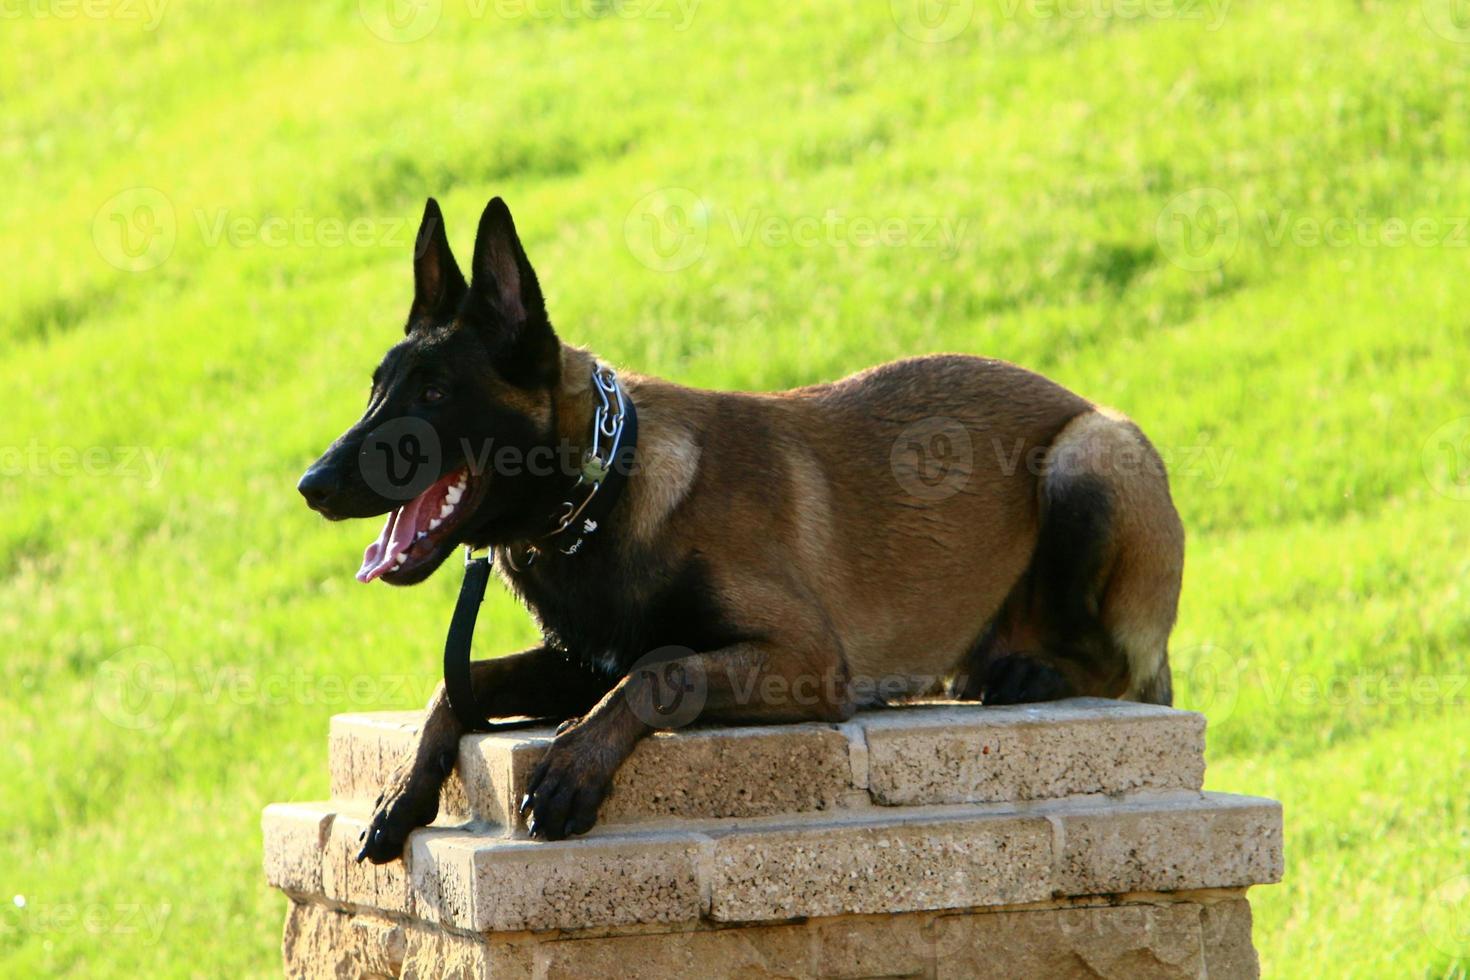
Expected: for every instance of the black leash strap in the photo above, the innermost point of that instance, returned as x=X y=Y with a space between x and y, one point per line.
x=457 y=686
x=570 y=539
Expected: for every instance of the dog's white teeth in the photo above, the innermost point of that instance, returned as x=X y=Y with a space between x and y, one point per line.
x=434 y=524
x=421 y=535
x=399 y=563
x=455 y=492
x=446 y=510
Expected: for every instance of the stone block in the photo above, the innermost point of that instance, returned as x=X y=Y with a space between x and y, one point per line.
x=1226 y=930
x=1140 y=942
x=689 y=774
x=295 y=834
x=972 y=754
x=1210 y=840
x=484 y=884
x=867 y=864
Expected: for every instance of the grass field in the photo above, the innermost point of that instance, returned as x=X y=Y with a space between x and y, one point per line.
x=1246 y=224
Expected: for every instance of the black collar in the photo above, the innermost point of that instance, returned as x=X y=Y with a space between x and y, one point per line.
x=606 y=466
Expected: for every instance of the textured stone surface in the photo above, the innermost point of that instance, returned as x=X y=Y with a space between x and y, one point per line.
x=295 y=835
x=690 y=774
x=970 y=754
x=1214 y=840
x=694 y=773
x=1128 y=943
x=1225 y=928
x=879 y=865
x=326 y=942
x=732 y=772
x=1154 y=940
x=847 y=862
x=847 y=947
x=921 y=754
x=363 y=749
x=497 y=884
x=344 y=879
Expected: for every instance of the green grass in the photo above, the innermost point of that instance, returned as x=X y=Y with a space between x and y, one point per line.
x=178 y=640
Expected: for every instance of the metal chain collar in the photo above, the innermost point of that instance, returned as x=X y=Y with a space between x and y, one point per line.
x=607 y=440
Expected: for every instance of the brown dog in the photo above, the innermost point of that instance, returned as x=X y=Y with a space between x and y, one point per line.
x=940 y=523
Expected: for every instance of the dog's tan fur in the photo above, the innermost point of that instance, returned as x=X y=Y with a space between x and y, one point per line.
x=796 y=492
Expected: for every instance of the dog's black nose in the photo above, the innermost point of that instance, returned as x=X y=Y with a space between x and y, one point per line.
x=318 y=485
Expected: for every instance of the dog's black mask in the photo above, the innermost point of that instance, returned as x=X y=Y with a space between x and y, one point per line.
x=456 y=410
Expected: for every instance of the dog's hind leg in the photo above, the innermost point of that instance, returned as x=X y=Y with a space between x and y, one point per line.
x=538 y=683
x=1092 y=614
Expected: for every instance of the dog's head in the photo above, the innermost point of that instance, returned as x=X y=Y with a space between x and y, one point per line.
x=469 y=388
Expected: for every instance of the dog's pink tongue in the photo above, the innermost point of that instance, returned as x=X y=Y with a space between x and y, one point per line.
x=400 y=530
x=378 y=557
x=397 y=534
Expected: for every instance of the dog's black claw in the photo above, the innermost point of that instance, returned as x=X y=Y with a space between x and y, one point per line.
x=531 y=825
x=362 y=854
x=446 y=762
x=378 y=802
x=525 y=804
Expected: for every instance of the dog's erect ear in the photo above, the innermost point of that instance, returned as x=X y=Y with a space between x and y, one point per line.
x=507 y=304
x=438 y=285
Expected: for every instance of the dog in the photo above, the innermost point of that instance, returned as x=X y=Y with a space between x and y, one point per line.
x=943 y=524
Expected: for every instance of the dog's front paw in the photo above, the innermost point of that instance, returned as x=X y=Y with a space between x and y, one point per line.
x=410 y=800
x=568 y=786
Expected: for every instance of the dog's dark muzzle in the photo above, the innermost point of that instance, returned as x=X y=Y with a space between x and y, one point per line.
x=334 y=487
x=320 y=485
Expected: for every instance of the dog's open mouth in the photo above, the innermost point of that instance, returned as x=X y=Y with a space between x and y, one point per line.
x=416 y=534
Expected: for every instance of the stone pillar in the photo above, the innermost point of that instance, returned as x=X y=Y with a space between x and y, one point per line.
x=941 y=840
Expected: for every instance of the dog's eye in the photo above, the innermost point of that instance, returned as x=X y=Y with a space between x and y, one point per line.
x=432 y=394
